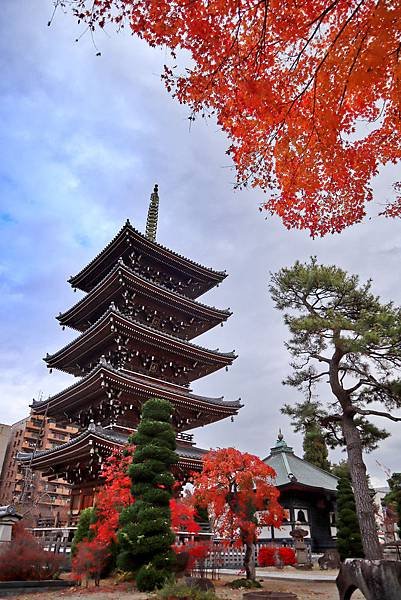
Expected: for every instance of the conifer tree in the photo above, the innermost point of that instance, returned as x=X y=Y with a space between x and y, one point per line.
x=342 y=334
x=315 y=448
x=349 y=541
x=145 y=535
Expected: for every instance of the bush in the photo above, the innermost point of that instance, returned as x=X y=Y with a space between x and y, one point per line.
x=189 y=554
x=90 y=560
x=269 y=556
x=266 y=556
x=238 y=584
x=182 y=591
x=287 y=555
x=148 y=578
x=23 y=559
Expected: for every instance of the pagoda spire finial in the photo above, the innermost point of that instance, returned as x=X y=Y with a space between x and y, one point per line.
x=153 y=214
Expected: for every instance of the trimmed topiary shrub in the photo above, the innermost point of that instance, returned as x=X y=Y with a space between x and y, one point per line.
x=349 y=541
x=145 y=534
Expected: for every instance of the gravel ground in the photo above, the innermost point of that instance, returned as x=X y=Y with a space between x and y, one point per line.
x=305 y=591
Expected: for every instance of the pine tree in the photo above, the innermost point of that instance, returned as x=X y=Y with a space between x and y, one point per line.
x=315 y=448
x=349 y=541
x=145 y=534
x=341 y=333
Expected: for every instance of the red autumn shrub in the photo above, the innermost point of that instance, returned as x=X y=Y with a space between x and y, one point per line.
x=89 y=561
x=266 y=556
x=270 y=556
x=287 y=555
x=24 y=559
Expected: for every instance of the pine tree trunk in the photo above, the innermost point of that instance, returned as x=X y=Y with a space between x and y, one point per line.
x=249 y=560
x=363 y=501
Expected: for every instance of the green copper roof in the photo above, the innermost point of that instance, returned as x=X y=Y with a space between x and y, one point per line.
x=290 y=468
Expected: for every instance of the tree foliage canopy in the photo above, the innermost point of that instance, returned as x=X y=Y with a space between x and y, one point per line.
x=238 y=489
x=332 y=317
x=308 y=93
x=307 y=415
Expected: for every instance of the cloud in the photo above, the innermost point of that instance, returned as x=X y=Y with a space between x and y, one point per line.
x=83 y=140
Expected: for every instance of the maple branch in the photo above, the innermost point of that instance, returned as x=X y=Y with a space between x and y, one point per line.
x=319 y=21
x=315 y=73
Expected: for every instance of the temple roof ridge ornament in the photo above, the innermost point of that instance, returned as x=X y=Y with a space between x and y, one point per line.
x=153 y=214
x=281 y=445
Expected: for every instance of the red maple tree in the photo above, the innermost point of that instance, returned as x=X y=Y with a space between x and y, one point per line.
x=113 y=496
x=238 y=489
x=308 y=93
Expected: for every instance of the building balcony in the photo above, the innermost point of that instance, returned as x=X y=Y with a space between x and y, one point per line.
x=32 y=435
x=35 y=424
x=29 y=446
x=57 y=437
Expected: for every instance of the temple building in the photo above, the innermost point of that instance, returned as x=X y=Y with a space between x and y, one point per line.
x=308 y=494
x=135 y=329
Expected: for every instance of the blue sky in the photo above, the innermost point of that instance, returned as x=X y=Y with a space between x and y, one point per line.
x=83 y=140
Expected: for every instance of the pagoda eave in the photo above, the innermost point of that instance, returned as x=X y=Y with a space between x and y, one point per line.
x=123 y=243
x=122 y=281
x=114 y=330
x=81 y=458
x=107 y=394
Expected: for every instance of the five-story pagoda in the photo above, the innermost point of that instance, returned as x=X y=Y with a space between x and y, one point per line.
x=136 y=324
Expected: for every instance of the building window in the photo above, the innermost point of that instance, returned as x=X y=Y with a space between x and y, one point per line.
x=301 y=515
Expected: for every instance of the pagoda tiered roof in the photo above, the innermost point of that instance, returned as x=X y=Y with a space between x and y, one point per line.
x=114 y=329
x=80 y=459
x=135 y=324
x=192 y=278
x=89 y=398
x=154 y=301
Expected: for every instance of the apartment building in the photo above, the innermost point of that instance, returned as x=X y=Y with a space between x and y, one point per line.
x=42 y=501
x=5 y=431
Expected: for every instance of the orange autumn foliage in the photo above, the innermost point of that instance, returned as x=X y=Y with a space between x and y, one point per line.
x=238 y=490
x=308 y=93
